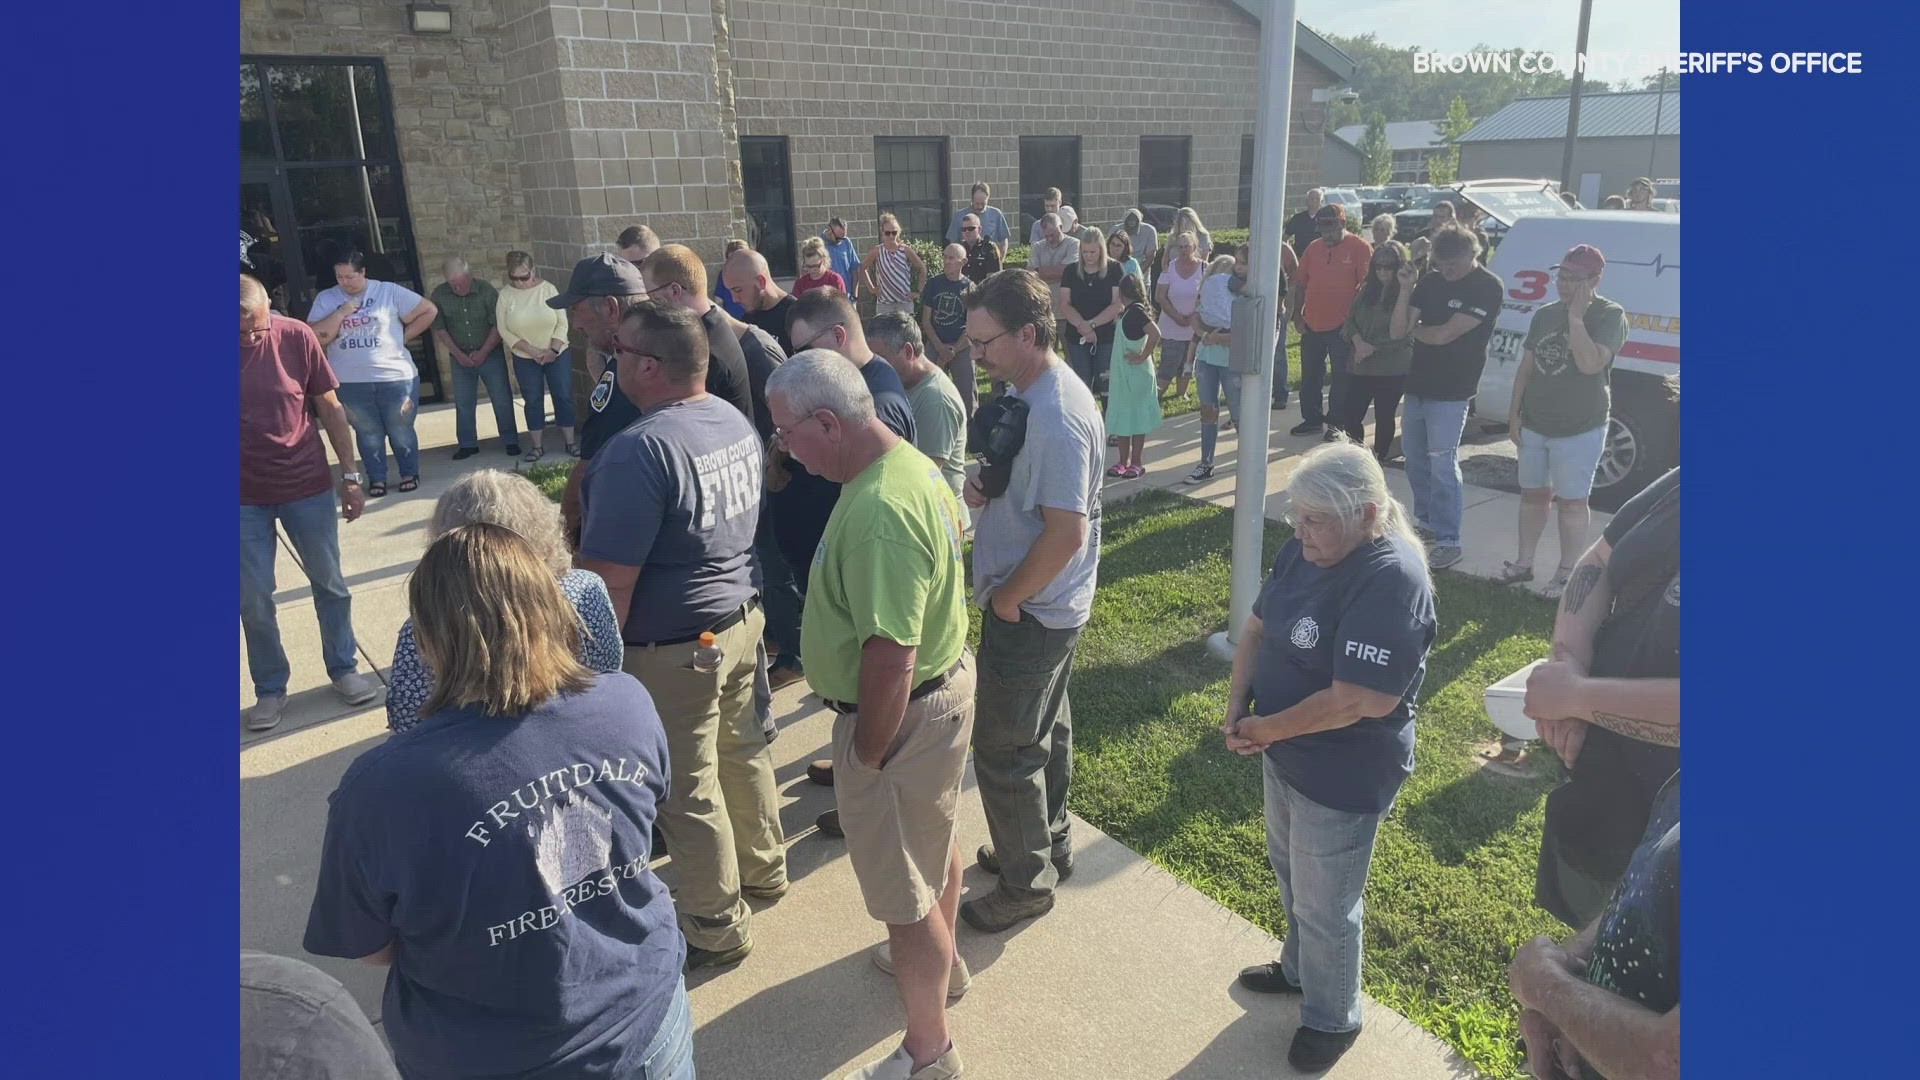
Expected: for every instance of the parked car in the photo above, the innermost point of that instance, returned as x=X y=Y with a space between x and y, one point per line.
x=1159 y=215
x=1348 y=198
x=1407 y=195
x=1643 y=275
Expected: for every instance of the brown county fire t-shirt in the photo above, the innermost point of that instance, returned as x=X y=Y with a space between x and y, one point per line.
x=281 y=456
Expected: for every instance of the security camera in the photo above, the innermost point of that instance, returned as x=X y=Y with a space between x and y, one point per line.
x=1347 y=96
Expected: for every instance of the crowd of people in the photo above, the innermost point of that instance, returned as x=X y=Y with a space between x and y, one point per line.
x=777 y=494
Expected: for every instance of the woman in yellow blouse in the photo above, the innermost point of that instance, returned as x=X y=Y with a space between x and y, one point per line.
x=536 y=337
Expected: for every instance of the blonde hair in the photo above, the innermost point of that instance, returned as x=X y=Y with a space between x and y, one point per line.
x=519 y=260
x=510 y=501
x=676 y=264
x=492 y=624
x=1186 y=235
x=1093 y=238
x=813 y=245
x=1221 y=264
x=887 y=216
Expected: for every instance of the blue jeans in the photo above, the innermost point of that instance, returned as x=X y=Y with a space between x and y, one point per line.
x=313 y=526
x=1430 y=436
x=375 y=410
x=670 y=1055
x=1082 y=358
x=538 y=380
x=466 y=399
x=1321 y=858
x=1319 y=351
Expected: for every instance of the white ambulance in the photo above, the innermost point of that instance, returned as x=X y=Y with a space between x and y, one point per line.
x=1642 y=275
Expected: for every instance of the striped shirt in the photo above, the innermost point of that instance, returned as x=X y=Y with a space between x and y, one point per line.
x=894 y=275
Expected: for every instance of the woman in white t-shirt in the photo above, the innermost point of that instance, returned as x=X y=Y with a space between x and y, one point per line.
x=1177 y=296
x=365 y=326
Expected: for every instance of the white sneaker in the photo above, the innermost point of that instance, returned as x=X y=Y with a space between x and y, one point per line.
x=266 y=712
x=899 y=1066
x=959 y=979
x=356 y=688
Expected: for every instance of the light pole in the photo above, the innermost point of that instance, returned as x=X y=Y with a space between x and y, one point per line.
x=1263 y=281
x=1573 y=102
x=1659 y=101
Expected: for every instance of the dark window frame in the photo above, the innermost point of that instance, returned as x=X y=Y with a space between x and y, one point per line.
x=942 y=205
x=1030 y=203
x=787 y=262
x=1185 y=143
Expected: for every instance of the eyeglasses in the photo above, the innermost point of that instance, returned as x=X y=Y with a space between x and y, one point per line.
x=812 y=341
x=890 y=232
x=780 y=435
x=963 y=228
x=1309 y=522
x=520 y=278
x=619 y=348
x=979 y=346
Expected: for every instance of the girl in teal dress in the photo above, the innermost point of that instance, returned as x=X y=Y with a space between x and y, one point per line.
x=1133 y=394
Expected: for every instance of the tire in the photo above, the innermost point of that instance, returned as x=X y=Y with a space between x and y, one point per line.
x=1643 y=441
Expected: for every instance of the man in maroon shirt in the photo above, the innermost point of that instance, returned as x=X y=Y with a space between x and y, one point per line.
x=284 y=478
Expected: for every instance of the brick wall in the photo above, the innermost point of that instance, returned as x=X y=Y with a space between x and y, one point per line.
x=832 y=74
x=457 y=150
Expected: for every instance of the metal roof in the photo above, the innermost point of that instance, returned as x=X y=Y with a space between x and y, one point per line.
x=1318 y=49
x=1602 y=116
x=1401 y=135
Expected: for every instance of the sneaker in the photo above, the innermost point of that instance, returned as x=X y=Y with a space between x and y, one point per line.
x=1062 y=864
x=1443 y=556
x=781 y=676
x=829 y=823
x=1425 y=533
x=465 y=452
x=1267 y=979
x=1000 y=910
x=899 y=1066
x=266 y=712
x=1307 y=427
x=1315 y=1051
x=356 y=688
x=821 y=772
x=698 y=957
x=1200 y=472
x=959 y=979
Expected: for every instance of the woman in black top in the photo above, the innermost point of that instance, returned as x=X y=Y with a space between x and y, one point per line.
x=1608 y=701
x=1089 y=301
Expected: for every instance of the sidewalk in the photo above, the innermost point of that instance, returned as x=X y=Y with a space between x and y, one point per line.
x=1131 y=976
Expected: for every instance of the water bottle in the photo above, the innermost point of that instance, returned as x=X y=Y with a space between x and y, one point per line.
x=706 y=658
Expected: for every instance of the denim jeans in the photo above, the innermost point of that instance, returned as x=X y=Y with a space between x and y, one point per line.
x=1080 y=357
x=313 y=526
x=375 y=410
x=1023 y=746
x=466 y=399
x=1280 y=389
x=670 y=1055
x=1430 y=436
x=538 y=380
x=1319 y=351
x=1321 y=858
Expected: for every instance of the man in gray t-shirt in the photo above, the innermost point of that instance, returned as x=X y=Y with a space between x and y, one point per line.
x=671 y=504
x=1036 y=556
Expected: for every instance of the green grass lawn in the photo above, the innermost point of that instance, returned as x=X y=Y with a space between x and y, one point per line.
x=1450 y=897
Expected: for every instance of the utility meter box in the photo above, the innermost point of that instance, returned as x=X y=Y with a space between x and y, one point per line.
x=1250 y=313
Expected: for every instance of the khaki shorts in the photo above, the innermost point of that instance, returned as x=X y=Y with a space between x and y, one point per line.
x=899 y=819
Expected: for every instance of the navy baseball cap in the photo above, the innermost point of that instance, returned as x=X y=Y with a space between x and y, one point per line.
x=600 y=275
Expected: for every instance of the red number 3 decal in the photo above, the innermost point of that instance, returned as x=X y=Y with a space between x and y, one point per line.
x=1531 y=285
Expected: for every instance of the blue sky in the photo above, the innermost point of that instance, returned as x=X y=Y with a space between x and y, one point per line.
x=1625 y=26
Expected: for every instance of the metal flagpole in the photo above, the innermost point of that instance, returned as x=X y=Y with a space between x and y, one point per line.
x=1573 y=102
x=1277 y=33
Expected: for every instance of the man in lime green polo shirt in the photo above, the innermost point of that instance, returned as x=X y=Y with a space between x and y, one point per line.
x=884 y=637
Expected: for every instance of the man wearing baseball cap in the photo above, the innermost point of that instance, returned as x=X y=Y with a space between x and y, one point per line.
x=1332 y=271
x=601 y=290
x=1559 y=414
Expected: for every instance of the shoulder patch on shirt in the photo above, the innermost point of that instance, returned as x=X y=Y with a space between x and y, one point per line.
x=602 y=391
x=1673 y=591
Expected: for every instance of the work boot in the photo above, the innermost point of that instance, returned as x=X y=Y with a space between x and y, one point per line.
x=1062 y=863
x=1000 y=909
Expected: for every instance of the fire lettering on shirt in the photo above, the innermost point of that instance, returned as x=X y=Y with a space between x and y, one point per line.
x=532 y=794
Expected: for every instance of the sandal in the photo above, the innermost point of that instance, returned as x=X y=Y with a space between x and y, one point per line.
x=1513 y=574
x=1118 y=471
x=1558 y=584
x=1135 y=472
x=375 y=491
x=534 y=454
x=573 y=450
x=408 y=484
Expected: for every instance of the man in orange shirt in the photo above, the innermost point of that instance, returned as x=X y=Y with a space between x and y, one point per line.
x=1332 y=270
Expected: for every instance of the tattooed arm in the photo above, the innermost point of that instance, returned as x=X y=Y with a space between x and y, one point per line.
x=1563 y=699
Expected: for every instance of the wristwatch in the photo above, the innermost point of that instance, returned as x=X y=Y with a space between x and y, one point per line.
x=353 y=478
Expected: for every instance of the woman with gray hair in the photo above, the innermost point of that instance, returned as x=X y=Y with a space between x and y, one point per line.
x=1327 y=698
x=512 y=502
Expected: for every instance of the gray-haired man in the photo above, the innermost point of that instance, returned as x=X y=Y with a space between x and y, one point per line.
x=467 y=332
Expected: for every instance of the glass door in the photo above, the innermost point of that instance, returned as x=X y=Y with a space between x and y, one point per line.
x=320 y=176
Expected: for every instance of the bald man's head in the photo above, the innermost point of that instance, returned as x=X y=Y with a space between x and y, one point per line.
x=747 y=277
x=953 y=259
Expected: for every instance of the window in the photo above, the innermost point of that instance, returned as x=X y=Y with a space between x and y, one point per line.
x=910 y=178
x=768 y=181
x=1246 y=181
x=1045 y=161
x=1164 y=170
